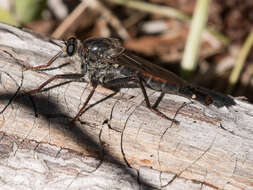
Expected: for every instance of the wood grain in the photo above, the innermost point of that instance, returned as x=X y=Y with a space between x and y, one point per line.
x=211 y=148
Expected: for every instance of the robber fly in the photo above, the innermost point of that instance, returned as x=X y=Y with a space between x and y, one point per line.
x=105 y=62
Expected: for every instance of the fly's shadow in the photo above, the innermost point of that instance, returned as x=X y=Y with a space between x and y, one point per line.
x=78 y=135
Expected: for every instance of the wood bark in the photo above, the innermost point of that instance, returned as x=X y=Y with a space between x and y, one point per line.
x=118 y=143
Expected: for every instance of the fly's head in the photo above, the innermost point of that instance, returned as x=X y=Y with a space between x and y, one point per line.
x=73 y=46
x=74 y=49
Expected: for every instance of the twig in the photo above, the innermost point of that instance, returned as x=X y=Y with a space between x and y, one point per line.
x=61 y=30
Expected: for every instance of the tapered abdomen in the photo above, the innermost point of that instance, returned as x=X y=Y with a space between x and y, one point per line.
x=176 y=87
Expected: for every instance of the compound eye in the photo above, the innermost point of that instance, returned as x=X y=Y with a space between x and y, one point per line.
x=71 y=46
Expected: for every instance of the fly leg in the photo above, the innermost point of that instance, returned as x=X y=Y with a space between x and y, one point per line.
x=111 y=83
x=125 y=81
x=137 y=79
x=61 y=76
x=152 y=108
x=44 y=66
x=81 y=111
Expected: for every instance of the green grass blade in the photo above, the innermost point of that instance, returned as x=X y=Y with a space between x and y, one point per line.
x=190 y=57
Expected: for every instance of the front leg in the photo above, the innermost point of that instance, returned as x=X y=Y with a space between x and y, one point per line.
x=50 y=62
x=61 y=76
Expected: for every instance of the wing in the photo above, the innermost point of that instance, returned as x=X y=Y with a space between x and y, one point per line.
x=147 y=68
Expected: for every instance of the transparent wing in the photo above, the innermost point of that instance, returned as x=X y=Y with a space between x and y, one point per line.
x=147 y=68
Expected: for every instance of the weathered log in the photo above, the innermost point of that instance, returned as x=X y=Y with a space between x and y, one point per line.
x=119 y=143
